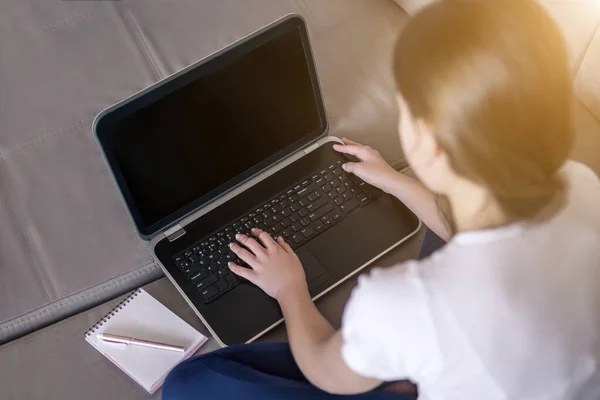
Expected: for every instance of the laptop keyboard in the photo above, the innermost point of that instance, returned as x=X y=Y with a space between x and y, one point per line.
x=298 y=214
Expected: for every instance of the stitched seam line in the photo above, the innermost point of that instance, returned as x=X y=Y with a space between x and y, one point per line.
x=75 y=298
x=578 y=70
x=61 y=316
x=143 y=44
x=70 y=20
x=59 y=304
x=53 y=134
x=586 y=51
x=26 y=239
x=589 y=111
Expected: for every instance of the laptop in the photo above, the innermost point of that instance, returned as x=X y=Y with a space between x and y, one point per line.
x=236 y=141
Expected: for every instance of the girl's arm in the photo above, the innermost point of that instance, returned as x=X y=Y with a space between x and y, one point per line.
x=420 y=201
x=373 y=169
x=316 y=346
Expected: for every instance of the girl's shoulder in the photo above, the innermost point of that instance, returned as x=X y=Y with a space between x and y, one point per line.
x=576 y=172
x=583 y=193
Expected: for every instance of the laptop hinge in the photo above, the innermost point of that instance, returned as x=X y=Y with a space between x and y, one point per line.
x=174 y=232
x=310 y=148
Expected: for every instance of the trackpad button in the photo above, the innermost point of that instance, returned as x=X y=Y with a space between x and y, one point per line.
x=312 y=267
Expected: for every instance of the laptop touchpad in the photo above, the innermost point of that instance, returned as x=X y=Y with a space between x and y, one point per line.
x=312 y=267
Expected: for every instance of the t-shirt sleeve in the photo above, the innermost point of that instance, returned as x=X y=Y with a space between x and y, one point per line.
x=387 y=327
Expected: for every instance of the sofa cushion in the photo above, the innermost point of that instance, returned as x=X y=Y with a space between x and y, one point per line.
x=62 y=62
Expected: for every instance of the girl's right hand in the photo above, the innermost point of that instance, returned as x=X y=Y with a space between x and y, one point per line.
x=371 y=168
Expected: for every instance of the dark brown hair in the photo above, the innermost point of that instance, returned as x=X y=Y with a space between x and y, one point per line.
x=492 y=78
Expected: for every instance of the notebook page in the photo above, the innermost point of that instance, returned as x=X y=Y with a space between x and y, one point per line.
x=146 y=318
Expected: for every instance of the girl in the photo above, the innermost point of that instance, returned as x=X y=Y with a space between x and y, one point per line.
x=510 y=307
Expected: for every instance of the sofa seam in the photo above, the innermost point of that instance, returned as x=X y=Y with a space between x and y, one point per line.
x=587 y=109
x=586 y=51
x=141 y=42
x=595 y=33
x=85 y=293
x=68 y=21
x=52 y=134
x=62 y=315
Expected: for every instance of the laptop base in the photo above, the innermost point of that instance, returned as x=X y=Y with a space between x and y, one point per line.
x=245 y=313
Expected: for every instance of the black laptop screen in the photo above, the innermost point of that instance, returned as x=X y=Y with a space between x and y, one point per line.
x=227 y=118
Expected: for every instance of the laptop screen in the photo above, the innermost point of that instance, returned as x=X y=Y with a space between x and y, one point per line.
x=223 y=121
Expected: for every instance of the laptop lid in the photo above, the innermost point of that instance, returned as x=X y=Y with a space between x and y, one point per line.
x=205 y=130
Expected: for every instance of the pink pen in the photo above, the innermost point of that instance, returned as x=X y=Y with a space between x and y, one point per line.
x=107 y=337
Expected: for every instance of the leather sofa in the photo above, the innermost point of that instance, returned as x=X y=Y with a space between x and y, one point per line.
x=66 y=243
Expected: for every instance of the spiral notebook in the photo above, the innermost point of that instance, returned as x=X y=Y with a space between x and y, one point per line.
x=143 y=317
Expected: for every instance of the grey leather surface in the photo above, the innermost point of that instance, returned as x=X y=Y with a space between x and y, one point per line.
x=65 y=239
x=56 y=363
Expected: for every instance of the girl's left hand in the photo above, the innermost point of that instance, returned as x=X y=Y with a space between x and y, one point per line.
x=274 y=267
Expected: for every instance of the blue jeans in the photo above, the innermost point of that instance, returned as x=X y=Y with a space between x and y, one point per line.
x=431 y=243
x=258 y=371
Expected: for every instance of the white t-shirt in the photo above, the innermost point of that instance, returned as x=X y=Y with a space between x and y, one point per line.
x=511 y=313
